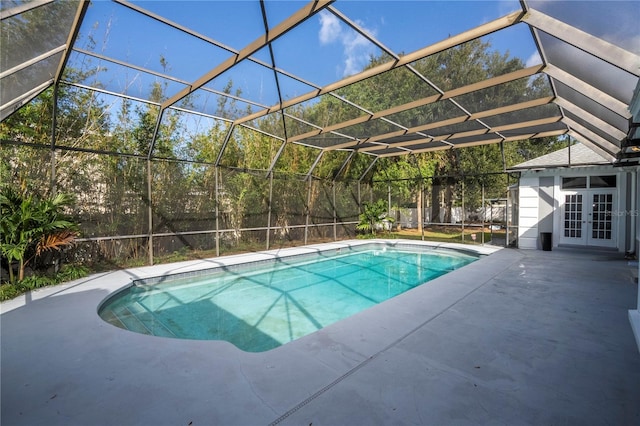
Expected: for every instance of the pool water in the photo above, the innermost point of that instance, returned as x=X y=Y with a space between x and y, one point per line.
x=260 y=307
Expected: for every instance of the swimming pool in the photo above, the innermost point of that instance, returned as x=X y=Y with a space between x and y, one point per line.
x=262 y=305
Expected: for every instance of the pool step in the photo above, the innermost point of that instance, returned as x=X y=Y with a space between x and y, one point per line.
x=149 y=321
x=109 y=316
x=137 y=318
x=130 y=321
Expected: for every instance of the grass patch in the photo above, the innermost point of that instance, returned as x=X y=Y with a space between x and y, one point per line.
x=451 y=235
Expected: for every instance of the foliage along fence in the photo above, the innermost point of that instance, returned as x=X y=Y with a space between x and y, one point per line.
x=222 y=210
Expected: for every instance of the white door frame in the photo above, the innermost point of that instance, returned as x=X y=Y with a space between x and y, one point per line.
x=586 y=217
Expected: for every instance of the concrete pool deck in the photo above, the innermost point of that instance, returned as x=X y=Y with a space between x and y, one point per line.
x=519 y=337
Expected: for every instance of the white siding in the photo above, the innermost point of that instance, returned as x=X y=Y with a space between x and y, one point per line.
x=529 y=202
x=528 y=213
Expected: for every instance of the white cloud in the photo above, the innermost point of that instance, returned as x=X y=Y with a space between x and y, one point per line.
x=533 y=59
x=355 y=48
x=329 y=28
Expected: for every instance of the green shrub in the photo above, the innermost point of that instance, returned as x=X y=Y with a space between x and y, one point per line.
x=35 y=281
x=71 y=272
x=30 y=226
x=9 y=291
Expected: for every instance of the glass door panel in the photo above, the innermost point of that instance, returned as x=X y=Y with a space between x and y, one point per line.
x=601 y=232
x=573 y=231
x=588 y=219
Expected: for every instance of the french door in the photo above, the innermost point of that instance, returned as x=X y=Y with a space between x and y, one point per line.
x=588 y=219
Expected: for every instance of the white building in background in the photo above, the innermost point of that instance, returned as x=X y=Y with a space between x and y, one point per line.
x=580 y=198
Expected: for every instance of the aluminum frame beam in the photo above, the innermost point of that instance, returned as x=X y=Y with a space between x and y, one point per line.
x=495 y=81
x=298 y=17
x=175 y=25
x=482 y=30
x=587 y=90
x=537 y=21
x=13 y=105
x=22 y=8
x=593 y=146
x=450 y=121
x=595 y=46
x=10 y=107
x=484 y=142
x=594 y=138
x=454 y=136
x=614 y=132
x=35 y=60
x=73 y=34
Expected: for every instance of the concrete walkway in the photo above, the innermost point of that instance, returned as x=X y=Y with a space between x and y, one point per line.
x=517 y=338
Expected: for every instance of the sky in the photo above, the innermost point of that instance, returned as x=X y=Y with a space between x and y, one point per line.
x=322 y=49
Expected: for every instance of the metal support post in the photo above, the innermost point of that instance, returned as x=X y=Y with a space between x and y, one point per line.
x=335 y=212
x=217 y=201
x=150 y=211
x=308 y=211
x=269 y=209
x=421 y=224
x=484 y=214
x=462 y=218
x=54 y=123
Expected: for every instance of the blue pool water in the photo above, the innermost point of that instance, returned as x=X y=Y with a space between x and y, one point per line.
x=262 y=306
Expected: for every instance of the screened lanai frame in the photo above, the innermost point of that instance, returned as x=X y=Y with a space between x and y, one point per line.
x=556 y=41
x=585 y=97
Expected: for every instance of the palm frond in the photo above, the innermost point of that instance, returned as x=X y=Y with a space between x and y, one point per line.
x=56 y=241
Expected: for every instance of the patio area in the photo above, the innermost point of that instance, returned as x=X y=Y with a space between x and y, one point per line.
x=520 y=337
